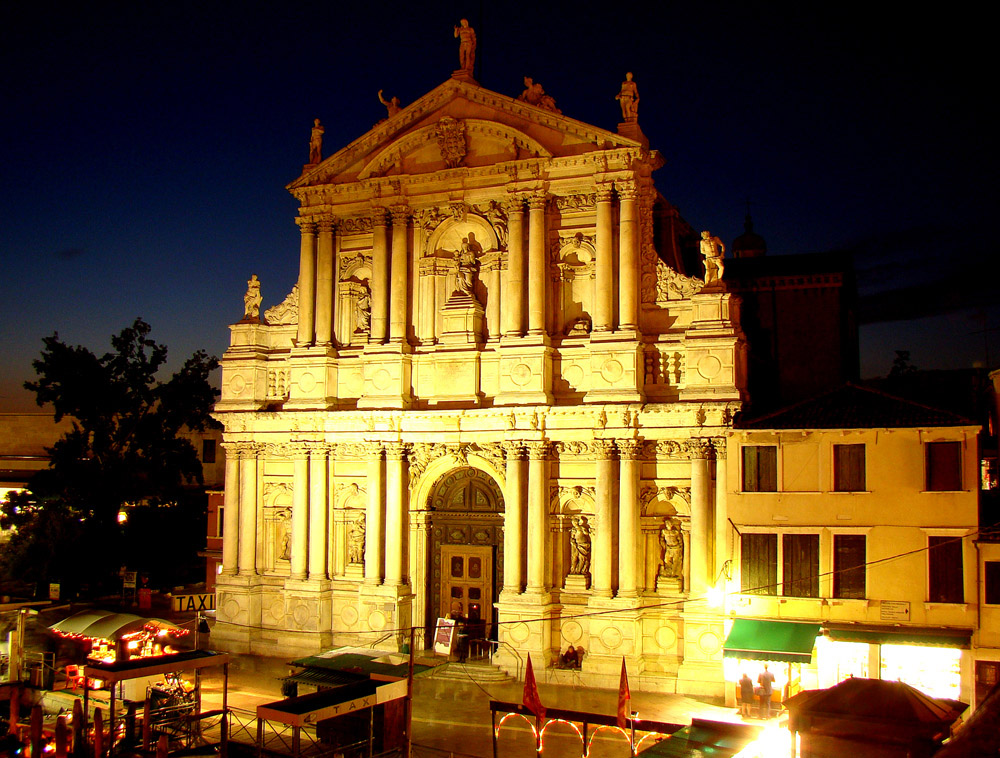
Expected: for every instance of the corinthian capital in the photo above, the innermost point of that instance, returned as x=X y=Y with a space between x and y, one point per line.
x=603 y=448
x=537 y=449
x=629 y=450
x=699 y=447
x=627 y=190
x=325 y=224
x=719 y=445
x=513 y=450
x=604 y=192
x=395 y=451
x=400 y=215
x=306 y=225
x=537 y=201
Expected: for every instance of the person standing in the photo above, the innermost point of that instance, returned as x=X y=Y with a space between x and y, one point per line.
x=766 y=682
x=746 y=695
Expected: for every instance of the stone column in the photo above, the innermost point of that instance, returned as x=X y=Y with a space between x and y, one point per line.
x=399 y=277
x=300 y=512
x=493 y=298
x=538 y=275
x=700 y=515
x=629 y=529
x=307 y=282
x=324 y=282
x=319 y=510
x=513 y=312
x=396 y=506
x=538 y=515
x=231 y=512
x=374 y=515
x=604 y=291
x=380 y=279
x=721 y=507
x=513 y=526
x=628 y=258
x=604 y=538
x=248 y=510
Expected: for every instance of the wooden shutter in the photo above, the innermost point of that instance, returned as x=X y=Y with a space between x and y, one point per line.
x=944 y=563
x=849 y=468
x=849 y=557
x=800 y=565
x=759 y=564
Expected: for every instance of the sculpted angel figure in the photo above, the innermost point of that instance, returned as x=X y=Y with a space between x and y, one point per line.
x=466 y=45
x=316 y=142
x=628 y=98
x=712 y=250
x=252 y=299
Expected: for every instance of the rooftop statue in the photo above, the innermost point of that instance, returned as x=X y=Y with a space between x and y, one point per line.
x=392 y=105
x=252 y=299
x=628 y=99
x=466 y=46
x=534 y=94
x=316 y=142
x=712 y=249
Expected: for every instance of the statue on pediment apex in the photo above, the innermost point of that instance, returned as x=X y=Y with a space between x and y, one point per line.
x=466 y=45
x=628 y=99
x=316 y=142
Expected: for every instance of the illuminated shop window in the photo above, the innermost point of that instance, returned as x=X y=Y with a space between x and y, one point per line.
x=849 y=468
x=760 y=468
x=934 y=671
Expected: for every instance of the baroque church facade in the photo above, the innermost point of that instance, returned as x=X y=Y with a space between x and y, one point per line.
x=494 y=391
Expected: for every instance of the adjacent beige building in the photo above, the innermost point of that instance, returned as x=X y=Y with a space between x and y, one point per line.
x=494 y=390
x=858 y=512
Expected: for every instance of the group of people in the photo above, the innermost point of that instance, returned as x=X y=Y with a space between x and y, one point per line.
x=765 y=687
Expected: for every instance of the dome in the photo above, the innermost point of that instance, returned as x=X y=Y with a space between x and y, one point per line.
x=749 y=244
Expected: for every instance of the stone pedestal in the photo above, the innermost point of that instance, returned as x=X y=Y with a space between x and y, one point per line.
x=463 y=319
x=456 y=376
x=616 y=370
x=525 y=371
x=390 y=608
x=632 y=130
x=312 y=378
x=716 y=349
x=577 y=583
x=669 y=585
x=535 y=637
x=355 y=571
x=387 y=377
x=700 y=673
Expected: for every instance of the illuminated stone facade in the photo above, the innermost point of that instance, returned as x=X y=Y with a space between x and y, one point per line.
x=493 y=365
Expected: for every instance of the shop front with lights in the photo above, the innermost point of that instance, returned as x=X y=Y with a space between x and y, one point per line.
x=784 y=647
x=927 y=658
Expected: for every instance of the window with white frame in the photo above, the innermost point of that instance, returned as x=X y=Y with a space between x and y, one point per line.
x=796 y=554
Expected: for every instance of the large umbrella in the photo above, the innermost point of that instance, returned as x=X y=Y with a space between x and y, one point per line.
x=108 y=625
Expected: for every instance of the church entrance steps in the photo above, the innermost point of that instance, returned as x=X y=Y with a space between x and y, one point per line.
x=480 y=672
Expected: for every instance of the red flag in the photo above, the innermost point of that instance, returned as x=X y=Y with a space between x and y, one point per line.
x=530 y=698
x=624 y=697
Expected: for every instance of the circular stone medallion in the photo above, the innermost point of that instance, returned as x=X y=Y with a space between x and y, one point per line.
x=520 y=374
x=376 y=621
x=709 y=642
x=709 y=366
x=381 y=379
x=307 y=382
x=612 y=371
x=519 y=632
x=573 y=374
x=572 y=631
x=237 y=384
x=349 y=615
x=611 y=637
x=666 y=637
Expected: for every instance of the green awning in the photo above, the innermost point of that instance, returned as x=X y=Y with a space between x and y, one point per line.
x=899 y=635
x=760 y=640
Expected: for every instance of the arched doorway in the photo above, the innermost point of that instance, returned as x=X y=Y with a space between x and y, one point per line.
x=466 y=547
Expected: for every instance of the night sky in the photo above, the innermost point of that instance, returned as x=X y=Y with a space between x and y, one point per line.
x=147 y=146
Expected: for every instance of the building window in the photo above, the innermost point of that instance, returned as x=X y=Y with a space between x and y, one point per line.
x=759 y=564
x=208 y=451
x=849 y=558
x=800 y=565
x=944 y=567
x=220 y=521
x=944 y=466
x=992 y=576
x=760 y=468
x=849 y=468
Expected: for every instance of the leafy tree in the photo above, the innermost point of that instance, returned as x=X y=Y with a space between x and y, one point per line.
x=123 y=449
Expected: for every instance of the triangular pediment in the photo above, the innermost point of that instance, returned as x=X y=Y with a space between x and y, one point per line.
x=459 y=124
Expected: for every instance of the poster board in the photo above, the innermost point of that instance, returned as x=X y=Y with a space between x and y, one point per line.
x=444 y=636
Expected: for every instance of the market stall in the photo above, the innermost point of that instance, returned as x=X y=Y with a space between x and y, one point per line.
x=120 y=636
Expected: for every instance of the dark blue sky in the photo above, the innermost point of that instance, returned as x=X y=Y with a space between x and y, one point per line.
x=147 y=147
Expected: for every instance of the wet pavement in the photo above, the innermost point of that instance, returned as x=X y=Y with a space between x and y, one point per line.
x=452 y=717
